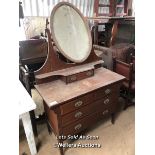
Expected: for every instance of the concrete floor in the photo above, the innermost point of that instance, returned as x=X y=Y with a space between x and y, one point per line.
x=117 y=139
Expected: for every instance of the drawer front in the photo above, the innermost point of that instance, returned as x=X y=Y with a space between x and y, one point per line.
x=106 y=91
x=87 y=121
x=103 y=103
x=80 y=76
x=77 y=103
x=89 y=98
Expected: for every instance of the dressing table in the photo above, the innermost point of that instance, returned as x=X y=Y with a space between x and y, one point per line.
x=79 y=92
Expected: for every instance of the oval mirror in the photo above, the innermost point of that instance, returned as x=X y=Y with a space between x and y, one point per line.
x=70 y=32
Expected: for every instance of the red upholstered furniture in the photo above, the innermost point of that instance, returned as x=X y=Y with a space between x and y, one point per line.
x=123 y=51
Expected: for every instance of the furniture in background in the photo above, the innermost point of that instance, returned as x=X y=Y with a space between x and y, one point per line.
x=109 y=31
x=24 y=76
x=101 y=33
x=123 y=52
x=110 y=7
x=119 y=38
x=111 y=16
x=106 y=54
x=32 y=55
x=123 y=31
x=34 y=26
x=128 y=87
x=26 y=105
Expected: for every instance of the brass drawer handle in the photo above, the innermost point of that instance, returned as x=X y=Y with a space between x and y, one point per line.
x=106 y=101
x=77 y=127
x=89 y=73
x=78 y=114
x=73 y=78
x=107 y=91
x=105 y=112
x=78 y=104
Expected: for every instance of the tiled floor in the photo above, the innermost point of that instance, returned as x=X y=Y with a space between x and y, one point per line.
x=117 y=139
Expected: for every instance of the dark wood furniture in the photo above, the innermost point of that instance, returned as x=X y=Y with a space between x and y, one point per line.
x=32 y=51
x=111 y=8
x=128 y=87
x=76 y=95
x=32 y=55
x=123 y=52
x=74 y=107
x=114 y=30
x=24 y=77
x=119 y=39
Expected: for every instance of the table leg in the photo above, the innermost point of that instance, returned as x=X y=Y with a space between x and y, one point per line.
x=29 y=133
x=112 y=118
x=34 y=123
x=61 y=148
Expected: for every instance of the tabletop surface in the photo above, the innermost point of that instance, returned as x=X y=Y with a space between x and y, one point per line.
x=26 y=103
x=57 y=92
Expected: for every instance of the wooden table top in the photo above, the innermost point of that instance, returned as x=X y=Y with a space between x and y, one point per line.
x=57 y=92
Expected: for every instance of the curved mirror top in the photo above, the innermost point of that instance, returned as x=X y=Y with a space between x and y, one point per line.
x=70 y=32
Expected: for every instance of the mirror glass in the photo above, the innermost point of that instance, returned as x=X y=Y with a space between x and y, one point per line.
x=70 y=32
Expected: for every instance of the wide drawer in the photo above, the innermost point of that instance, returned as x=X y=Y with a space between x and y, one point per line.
x=106 y=91
x=103 y=103
x=88 y=98
x=76 y=103
x=87 y=121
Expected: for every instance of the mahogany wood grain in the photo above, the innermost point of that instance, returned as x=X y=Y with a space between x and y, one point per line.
x=52 y=119
x=79 y=76
x=80 y=113
x=71 y=106
x=80 y=72
x=56 y=92
x=114 y=32
x=86 y=122
x=106 y=91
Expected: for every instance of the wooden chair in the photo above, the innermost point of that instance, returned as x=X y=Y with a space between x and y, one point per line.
x=24 y=78
x=128 y=87
x=32 y=55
